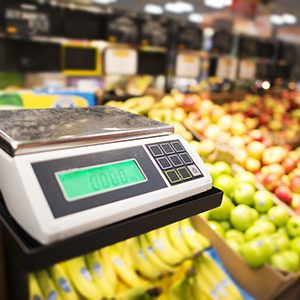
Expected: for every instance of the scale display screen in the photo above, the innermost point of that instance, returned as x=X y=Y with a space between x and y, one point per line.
x=89 y=181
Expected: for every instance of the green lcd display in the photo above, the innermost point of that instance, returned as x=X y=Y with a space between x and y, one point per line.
x=85 y=182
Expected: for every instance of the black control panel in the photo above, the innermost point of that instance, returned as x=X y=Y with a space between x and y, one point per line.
x=174 y=161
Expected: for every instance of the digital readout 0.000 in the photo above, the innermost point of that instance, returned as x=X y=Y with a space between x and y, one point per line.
x=89 y=181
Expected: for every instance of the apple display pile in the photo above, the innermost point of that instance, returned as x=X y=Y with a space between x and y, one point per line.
x=251 y=224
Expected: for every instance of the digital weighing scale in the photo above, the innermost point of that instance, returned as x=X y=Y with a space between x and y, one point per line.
x=71 y=170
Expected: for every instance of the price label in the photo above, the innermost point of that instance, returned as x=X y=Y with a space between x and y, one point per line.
x=120 y=61
x=188 y=65
x=247 y=69
x=227 y=68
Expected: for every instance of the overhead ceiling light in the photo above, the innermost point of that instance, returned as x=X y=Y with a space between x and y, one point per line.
x=208 y=32
x=217 y=4
x=276 y=20
x=195 y=18
x=179 y=7
x=289 y=19
x=153 y=9
x=104 y=1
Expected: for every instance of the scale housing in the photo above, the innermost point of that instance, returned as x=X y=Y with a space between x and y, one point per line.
x=38 y=145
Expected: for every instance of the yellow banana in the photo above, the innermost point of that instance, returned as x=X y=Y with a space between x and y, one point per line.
x=109 y=272
x=181 y=289
x=34 y=289
x=47 y=286
x=222 y=277
x=176 y=237
x=140 y=293
x=142 y=263
x=153 y=258
x=163 y=248
x=62 y=282
x=96 y=269
x=82 y=279
x=121 y=287
x=124 y=272
x=195 y=241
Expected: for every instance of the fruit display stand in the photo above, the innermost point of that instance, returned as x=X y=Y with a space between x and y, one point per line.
x=263 y=283
x=23 y=255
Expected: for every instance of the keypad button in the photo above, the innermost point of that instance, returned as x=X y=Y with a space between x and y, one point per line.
x=175 y=160
x=155 y=150
x=186 y=158
x=177 y=146
x=164 y=163
x=173 y=176
x=167 y=148
x=195 y=171
x=184 y=173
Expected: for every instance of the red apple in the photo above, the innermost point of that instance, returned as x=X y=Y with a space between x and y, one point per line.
x=271 y=181
x=289 y=164
x=295 y=184
x=284 y=194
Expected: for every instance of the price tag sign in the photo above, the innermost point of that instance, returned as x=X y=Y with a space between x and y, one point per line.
x=227 y=68
x=247 y=69
x=188 y=65
x=122 y=61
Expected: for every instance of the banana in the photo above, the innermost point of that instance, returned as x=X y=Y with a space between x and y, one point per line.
x=82 y=279
x=142 y=264
x=182 y=270
x=222 y=277
x=163 y=248
x=47 y=286
x=125 y=251
x=181 y=289
x=109 y=272
x=96 y=269
x=202 y=288
x=124 y=272
x=121 y=287
x=62 y=282
x=195 y=241
x=34 y=289
x=153 y=258
x=140 y=293
x=176 y=237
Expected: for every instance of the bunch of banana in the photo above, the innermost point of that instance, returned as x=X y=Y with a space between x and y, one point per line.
x=211 y=282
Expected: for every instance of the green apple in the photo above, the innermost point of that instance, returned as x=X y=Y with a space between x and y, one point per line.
x=242 y=217
x=226 y=183
x=287 y=261
x=295 y=245
x=233 y=234
x=281 y=241
x=216 y=227
x=258 y=229
x=221 y=167
x=293 y=226
x=243 y=193
x=255 y=253
x=263 y=201
x=226 y=225
x=246 y=177
x=278 y=215
x=222 y=212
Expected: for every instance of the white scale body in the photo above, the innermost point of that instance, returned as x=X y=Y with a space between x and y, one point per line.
x=165 y=169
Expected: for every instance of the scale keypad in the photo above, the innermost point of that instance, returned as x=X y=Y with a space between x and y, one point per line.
x=174 y=161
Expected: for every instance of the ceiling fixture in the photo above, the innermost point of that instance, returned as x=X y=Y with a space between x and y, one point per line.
x=179 y=7
x=195 y=18
x=153 y=9
x=106 y=2
x=217 y=4
x=289 y=19
x=276 y=20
